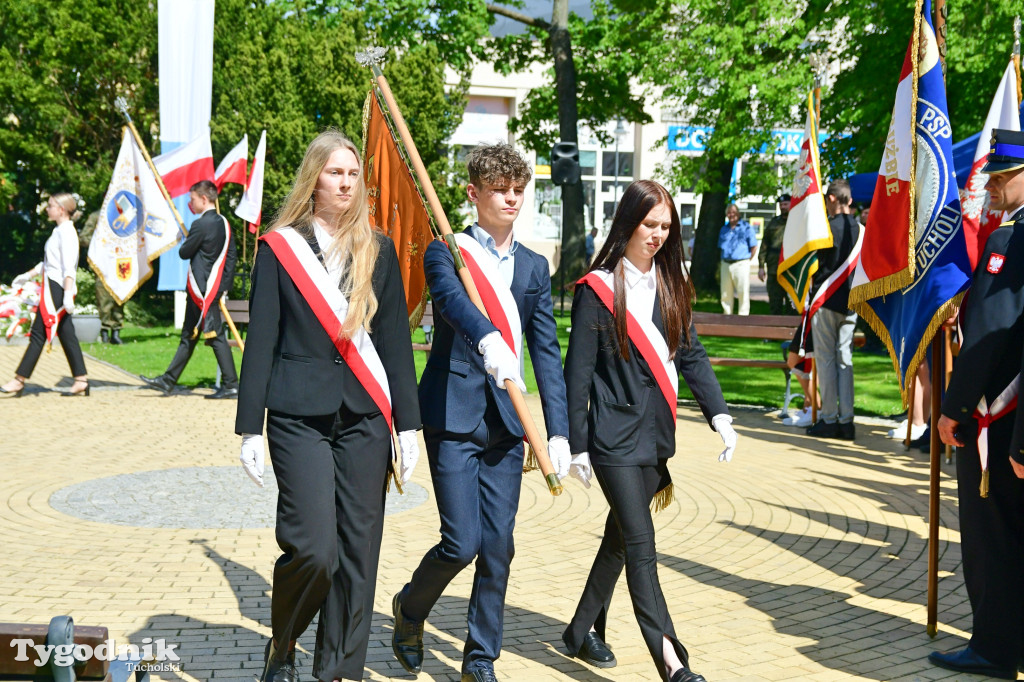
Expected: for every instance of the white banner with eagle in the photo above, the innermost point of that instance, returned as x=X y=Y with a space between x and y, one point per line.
x=135 y=225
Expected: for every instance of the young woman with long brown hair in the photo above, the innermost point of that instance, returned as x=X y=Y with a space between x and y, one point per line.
x=328 y=362
x=632 y=335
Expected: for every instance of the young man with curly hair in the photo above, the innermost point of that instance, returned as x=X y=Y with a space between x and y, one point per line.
x=474 y=438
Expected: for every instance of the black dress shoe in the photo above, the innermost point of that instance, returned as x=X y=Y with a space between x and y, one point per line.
x=846 y=431
x=824 y=430
x=595 y=652
x=115 y=337
x=686 y=675
x=407 y=639
x=480 y=675
x=160 y=383
x=967 y=660
x=223 y=393
x=278 y=670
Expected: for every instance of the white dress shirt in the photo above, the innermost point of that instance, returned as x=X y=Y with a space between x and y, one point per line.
x=641 y=288
x=324 y=240
x=60 y=255
x=507 y=263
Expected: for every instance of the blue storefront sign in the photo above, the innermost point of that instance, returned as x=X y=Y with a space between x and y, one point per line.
x=691 y=139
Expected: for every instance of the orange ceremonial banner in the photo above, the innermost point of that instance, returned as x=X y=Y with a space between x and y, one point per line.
x=396 y=206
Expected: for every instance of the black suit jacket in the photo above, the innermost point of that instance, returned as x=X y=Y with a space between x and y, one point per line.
x=845 y=231
x=291 y=365
x=202 y=246
x=992 y=319
x=616 y=410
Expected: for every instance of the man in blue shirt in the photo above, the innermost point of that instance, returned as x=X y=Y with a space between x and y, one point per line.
x=737 y=242
x=590 y=246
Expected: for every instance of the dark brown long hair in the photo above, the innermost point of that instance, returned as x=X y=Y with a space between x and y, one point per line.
x=674 y=291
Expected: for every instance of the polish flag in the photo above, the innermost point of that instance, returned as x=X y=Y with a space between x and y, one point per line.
x=186 y=165
x=232 y=167
x=979 y=221
x=250 y=208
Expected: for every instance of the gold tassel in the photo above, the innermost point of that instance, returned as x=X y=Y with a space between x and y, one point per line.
x=392 y=476
x=531 y=463
x=662 y=499
x=984 y=483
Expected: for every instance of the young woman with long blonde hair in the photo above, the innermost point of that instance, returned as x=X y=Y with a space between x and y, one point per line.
x=328 y=363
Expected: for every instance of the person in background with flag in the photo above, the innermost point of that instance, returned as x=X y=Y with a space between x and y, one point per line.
x=737 y=242
x=473 y=436
x=832 y=321
x=768 y=257
x=210 y=248
x=632 y=336
x=328 y=365
x=978 y=418
x=111 y=312
x=56 y=298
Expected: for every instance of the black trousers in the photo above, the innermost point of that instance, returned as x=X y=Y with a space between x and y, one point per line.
x=992 y=544
x=66 y=334
x=331 y=474
x=212 y=332
x=628 y=540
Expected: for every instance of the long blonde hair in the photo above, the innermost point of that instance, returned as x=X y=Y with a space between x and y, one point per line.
x=355 y=241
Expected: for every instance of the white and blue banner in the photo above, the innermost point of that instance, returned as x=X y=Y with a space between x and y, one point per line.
x=186 y=93
x=923 y=236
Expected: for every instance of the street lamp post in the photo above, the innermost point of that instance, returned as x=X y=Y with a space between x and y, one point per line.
x=620 y=132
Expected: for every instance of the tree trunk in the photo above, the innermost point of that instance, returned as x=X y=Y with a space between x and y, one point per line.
x=572 y=263
x=706 y=256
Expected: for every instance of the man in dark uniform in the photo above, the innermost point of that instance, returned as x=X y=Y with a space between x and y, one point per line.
x=204 y=247
x=982 y=392
x=768 y=258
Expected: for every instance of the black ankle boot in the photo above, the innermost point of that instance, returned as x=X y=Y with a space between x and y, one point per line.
x=115 y=337
x=104 y=336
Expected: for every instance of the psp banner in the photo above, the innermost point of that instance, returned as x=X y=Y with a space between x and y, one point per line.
x=135 y=225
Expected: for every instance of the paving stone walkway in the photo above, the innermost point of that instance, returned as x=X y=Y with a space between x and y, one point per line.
x=799 y=560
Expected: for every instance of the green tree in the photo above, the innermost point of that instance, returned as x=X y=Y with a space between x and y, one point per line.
x=61 y=66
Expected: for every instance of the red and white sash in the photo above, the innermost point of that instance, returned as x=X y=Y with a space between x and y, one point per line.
x=331 y=307
x=48 y=312
x=836 y=279
x=644 y=335
x=497 y=296
x=1004 y=403
x=205 y=299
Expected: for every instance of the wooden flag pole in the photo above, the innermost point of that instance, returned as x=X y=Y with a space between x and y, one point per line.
x=1016 y=54
x=122 y=106
x=932 y=627
x=372 y=58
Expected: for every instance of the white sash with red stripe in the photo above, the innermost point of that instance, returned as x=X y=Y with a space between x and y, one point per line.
x=205 y=299
x=644 y=335
x=331 y=307
x=50 y=313
x=1004 y=403
x=496 y=295
x=836 y=279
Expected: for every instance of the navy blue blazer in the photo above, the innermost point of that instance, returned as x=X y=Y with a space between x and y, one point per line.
x=452 y=388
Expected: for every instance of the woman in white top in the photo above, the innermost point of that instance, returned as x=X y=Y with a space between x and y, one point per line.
x=57 y=298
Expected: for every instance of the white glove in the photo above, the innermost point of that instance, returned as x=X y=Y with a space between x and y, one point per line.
x=24 y=277
x=723 y=424
x=69 y=303
x=579 y=468
x=252 y=457
x=558 y=452
x=409 y=448
x=499 y=360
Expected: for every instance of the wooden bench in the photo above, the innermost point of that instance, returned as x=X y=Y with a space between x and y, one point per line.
x=239 y=312
x=103 y=667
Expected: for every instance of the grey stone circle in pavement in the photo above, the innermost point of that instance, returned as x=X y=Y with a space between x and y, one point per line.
x=190 y=497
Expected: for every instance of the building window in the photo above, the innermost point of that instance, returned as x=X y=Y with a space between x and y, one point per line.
x=608 y=164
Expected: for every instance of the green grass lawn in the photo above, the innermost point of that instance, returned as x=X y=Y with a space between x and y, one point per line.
x=148 y=350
